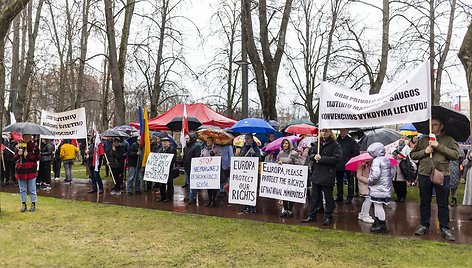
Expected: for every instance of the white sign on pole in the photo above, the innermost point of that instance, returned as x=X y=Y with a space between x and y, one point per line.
x=243 y=181
x=205 y=173
x=158 y=167
x=65 y=125
x=407 y=101
x=284 y=182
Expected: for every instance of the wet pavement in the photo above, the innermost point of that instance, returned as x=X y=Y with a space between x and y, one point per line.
x=402 y=219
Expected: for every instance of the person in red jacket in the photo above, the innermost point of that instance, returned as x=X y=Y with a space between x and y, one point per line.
x=26 y=157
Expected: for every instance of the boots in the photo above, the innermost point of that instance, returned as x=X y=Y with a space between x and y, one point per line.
x=33 y=207
x=381 y=227
x=23 y=208
x=454 y=202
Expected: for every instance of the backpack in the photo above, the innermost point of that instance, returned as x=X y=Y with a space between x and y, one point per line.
x=407 y=169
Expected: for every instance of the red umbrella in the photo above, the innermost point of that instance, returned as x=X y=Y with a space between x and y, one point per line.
x=302 y=129
x=356 y=161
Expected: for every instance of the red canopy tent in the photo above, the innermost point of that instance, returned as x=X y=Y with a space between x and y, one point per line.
x=198 y=110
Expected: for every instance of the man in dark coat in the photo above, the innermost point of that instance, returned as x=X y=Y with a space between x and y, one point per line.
x=349 y=150
x=134 y=167
x=324 y=174
x=44 y=174
x=117 y=161
x=167 y=190
x=9 y=161
x=191 y=150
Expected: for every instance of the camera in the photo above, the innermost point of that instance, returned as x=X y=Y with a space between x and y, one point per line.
x=212 y=153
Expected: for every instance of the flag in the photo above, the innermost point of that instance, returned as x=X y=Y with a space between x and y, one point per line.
x=2 y=147
x=184 y=130
x=98 y=149
x=145 y=139
x=456 y=104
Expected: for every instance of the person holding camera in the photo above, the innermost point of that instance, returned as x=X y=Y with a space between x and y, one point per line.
x=26 y=157
x=435 y=152
x=211 y=149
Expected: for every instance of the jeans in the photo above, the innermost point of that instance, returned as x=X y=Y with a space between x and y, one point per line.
x=340 y=183
x=191 y=192
x=442 y=197
x=134 y=174
x=317 y=191
x=95 y=177
x=68 y=169
x=27 y=184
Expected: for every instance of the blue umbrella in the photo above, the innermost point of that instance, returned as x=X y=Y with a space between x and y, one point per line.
x=408 y=126
x=252 y=125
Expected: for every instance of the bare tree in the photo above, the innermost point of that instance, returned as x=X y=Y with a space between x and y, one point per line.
x=465 y=55
x=267 y=68
x=83 y=53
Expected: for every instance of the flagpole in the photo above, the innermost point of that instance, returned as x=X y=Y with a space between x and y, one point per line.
x=108 y=164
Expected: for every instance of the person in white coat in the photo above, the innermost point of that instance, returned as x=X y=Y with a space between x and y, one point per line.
x=467 y=163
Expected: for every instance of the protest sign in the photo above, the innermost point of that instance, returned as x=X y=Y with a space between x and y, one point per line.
x=158 y=167
x=407 y=101
x=65 y=125
x=284 y=182
x=243 y=180
x=205 y=173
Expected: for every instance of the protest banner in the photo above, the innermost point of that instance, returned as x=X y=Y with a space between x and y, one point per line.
x=158 y=167
x=284 y=182
x=65 y=125
x=205 y=173
x=407 y=101
x=243 y=180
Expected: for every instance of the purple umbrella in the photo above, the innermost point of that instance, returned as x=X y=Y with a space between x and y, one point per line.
x=275 y=145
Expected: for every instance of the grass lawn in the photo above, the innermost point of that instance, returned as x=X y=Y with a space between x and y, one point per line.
x=79 y=234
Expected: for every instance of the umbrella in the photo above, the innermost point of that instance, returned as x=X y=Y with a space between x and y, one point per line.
x=274 y=124
x=125 y=128
x=408 y=130
x=113 y=133
x=298 y=122
x=275 y=145
x=28 y=128
x=456 y=124
x=383 y=135
x=176 y=123
x=219 y=136
x=241 y=139
x=307 y=141
x=354 y=162
x=207 y=127
x=302 y=129
x=252 y=125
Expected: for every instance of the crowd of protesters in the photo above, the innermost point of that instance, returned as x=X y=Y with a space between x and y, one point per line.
x=374 y=181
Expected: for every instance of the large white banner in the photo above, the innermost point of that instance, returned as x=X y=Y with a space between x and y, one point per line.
x=65 y=125
x=158 y=167
x=407 y=101
x=243 y=180
x=284 y=182
x=205 y=172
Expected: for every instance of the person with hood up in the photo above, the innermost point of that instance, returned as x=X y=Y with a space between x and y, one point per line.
x=287 y=155
x=380 y=185
x=249 y=149
x=324 y=175
x=191 y=150
x=363 y=172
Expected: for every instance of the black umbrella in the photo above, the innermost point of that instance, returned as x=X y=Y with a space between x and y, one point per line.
x=456 y=124
x=176 y=123
x=114 y=133
x=28 y=128
x=383 y=135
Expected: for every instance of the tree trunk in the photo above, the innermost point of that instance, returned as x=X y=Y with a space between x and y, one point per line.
x=375 y=88
x=25 y=77
x=129 y=10
x=117 y=86
x=465 y=55
x=83 y=54
x=105 y=86
x=269 y=68
x=434 y=94
x=157 y=83
x=15 y=65
x=443 y=56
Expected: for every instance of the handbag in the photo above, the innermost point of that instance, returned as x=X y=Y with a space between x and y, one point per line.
x=436 y=177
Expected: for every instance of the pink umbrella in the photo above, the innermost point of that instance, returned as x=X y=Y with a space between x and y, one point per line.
x=354 y=162
x=302 y=129
x=275 y=145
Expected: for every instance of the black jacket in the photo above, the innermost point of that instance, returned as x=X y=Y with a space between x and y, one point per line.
x=46 y=152
x=117 y=157
x=90 y=161
x=133 y=155
x=324 y=171
x=192 y=150
x=7 y=155
x=349 y=148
